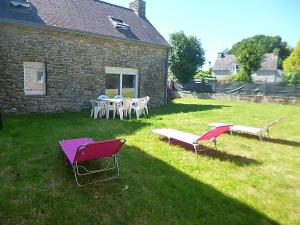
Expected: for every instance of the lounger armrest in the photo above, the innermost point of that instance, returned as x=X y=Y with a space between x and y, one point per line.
x=274 y=122
x=123 y=141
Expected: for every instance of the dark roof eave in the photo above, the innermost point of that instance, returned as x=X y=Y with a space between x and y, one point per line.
x=42 y=26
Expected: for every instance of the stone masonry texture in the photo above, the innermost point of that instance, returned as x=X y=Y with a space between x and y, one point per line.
x=75 y=68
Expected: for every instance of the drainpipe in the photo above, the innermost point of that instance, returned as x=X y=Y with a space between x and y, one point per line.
x=166 y=78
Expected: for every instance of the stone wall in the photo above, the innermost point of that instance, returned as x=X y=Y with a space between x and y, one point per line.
x=234 y=97
x=75 y=67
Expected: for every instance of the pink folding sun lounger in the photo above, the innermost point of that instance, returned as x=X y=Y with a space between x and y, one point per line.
x=192 y=139
x=85 y=149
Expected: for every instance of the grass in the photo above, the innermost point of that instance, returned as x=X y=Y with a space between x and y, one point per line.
x=245 y=182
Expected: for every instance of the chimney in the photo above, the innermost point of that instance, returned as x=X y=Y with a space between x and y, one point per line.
x=221 y=55
x=276 y=51
x=139 y=7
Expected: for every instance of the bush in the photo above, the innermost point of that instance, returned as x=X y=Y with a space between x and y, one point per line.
x=240 y=76
x=291 y=67
x=203 y=74
x=292 y=78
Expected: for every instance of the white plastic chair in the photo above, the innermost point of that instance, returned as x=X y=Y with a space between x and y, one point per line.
x=124 y=108
x=146 y=99
x=98 y=107
x=139 y=107
x=94 y=106
x=110 y=106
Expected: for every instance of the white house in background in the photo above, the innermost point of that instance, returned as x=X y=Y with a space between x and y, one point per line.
x=227 y=65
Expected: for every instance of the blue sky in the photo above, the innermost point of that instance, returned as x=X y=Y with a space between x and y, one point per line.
x=221 y=23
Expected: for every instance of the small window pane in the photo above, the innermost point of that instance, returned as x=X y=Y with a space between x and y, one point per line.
x=112 y=85
x=40 y=77
x=34 y=79
x=128 y=86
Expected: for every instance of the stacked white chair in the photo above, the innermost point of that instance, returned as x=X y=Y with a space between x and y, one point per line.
x=98 y=108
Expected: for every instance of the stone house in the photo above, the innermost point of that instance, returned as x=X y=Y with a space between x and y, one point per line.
x=56 y=55
x=268 y=72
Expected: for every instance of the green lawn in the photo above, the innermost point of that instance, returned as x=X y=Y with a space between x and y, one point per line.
x=245 y=182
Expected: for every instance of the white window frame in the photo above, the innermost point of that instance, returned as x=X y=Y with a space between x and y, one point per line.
x=124 y=71
x=232 y=68
x=35 y=65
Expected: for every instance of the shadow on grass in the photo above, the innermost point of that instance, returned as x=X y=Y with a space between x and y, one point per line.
x=272 y=140
x=149 y=191
x=174 y=108
x=216 y=154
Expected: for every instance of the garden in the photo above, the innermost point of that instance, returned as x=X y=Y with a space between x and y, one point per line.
x=245 y=181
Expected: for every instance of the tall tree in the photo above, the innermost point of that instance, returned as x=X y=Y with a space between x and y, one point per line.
x=186 y=56
x=249 y=56
x=291 y=67
x=268 y=44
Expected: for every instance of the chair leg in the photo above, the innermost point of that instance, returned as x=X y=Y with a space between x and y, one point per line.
x=215 y=143
x=268 y=133
x=103 y=112
x=76 y=172
x=76 y=179
x=121 y=114
x=96 y=112
x=114 y=114
x=196 y=149
x=107 y=114
x=92 y=112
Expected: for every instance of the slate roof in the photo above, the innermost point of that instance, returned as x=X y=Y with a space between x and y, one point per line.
x=269 y=62
x=89 y=16
x=224 y=63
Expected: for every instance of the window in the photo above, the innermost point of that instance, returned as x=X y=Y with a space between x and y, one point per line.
x=119 y=23
x=121 y=81
x=112 y=85
x=233 y=68
x=34 y=78
x=20 y=3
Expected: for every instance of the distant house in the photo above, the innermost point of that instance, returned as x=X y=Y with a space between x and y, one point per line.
x=56 y=55
x=227 y=65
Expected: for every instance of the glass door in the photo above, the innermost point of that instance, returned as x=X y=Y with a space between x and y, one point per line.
x=129 y=86
x=112 y=85
x=121 y=84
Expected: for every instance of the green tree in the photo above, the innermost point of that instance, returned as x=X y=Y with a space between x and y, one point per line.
x=291 y=67
x=203 y=74
x=186 y=56
x=249 y=57
x=268 y=44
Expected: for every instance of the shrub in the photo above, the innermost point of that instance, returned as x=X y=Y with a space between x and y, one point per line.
x=291 y=67
x=203 y=74
x=240 y=76
x=292 y=78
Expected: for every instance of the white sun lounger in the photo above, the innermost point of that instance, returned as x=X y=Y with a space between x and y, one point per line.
x=192 y=139
x=260 y=132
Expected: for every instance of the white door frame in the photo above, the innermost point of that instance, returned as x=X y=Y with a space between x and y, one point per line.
x=124 y=71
